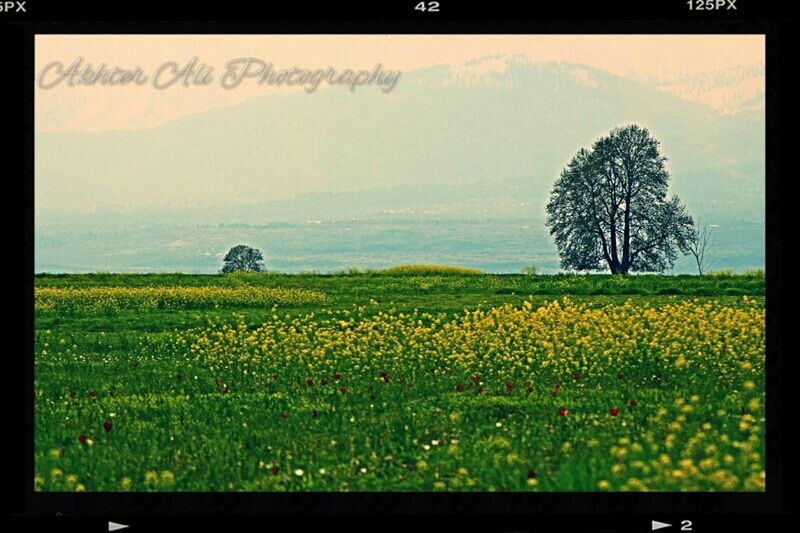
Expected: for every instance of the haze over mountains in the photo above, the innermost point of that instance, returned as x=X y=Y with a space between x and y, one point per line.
x=480 y=141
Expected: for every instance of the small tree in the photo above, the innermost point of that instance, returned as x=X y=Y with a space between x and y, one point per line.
x=700 y=240
x=242 y=258
x=530 y=270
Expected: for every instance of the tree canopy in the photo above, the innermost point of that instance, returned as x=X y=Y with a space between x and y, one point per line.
x=242 y=258
x=609 y=207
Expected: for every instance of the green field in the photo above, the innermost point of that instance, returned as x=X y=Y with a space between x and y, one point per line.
x=412 y=379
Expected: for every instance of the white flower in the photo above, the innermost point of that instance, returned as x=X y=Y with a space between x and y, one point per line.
x=426 y=447
x=299 y=472
x=322 y=471
x=435 y=442
x=499 y=425
x=363 y=470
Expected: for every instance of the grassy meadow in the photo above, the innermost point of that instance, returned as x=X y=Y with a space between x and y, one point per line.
x=409 y=379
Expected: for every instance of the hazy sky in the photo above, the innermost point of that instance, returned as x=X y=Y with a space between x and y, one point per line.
x=660 y=60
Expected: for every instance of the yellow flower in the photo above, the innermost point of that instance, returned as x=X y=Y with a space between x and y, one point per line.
x=708 y=463
x=167 y=477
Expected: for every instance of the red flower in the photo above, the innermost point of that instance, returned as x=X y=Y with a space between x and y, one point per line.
x=634 y=403
x=509 y=387
x=343 y=390
x=475 y=378
x=563 y=412
x=614 y=411
x=82 y=438
x=217 y=382
x=225 y=390
x=324 y=381
x=460 y=387
x=107 y=426
x=93 y=393
x=274 y=470
x=557 y=386
x=285 y=414
x=620 y=376
x=577 y=376
x=553 y=393
x=310 y=381
x=337 y=376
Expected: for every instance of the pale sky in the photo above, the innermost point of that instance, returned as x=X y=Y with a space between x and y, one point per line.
x=665 y=61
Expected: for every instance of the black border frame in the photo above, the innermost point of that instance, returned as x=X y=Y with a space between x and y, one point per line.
x=627 y=510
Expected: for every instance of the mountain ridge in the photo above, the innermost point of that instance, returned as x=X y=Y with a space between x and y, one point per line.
x=516 y=121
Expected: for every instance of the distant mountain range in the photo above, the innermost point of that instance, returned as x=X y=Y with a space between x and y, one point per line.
x=487 y=138
x=729 y=90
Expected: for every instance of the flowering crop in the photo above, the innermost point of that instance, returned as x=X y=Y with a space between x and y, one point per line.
x=58 y=299
x=634 y=395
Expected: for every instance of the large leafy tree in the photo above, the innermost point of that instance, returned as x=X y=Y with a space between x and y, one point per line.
x=243 y=258
x=609 y=207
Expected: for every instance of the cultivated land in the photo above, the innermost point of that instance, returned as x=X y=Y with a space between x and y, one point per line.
x=411 y=379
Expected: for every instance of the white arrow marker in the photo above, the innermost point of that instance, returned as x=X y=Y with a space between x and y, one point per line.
x=113 y=526
x=659 y=525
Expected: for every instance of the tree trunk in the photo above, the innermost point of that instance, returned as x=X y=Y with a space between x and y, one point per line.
x=617 y=268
